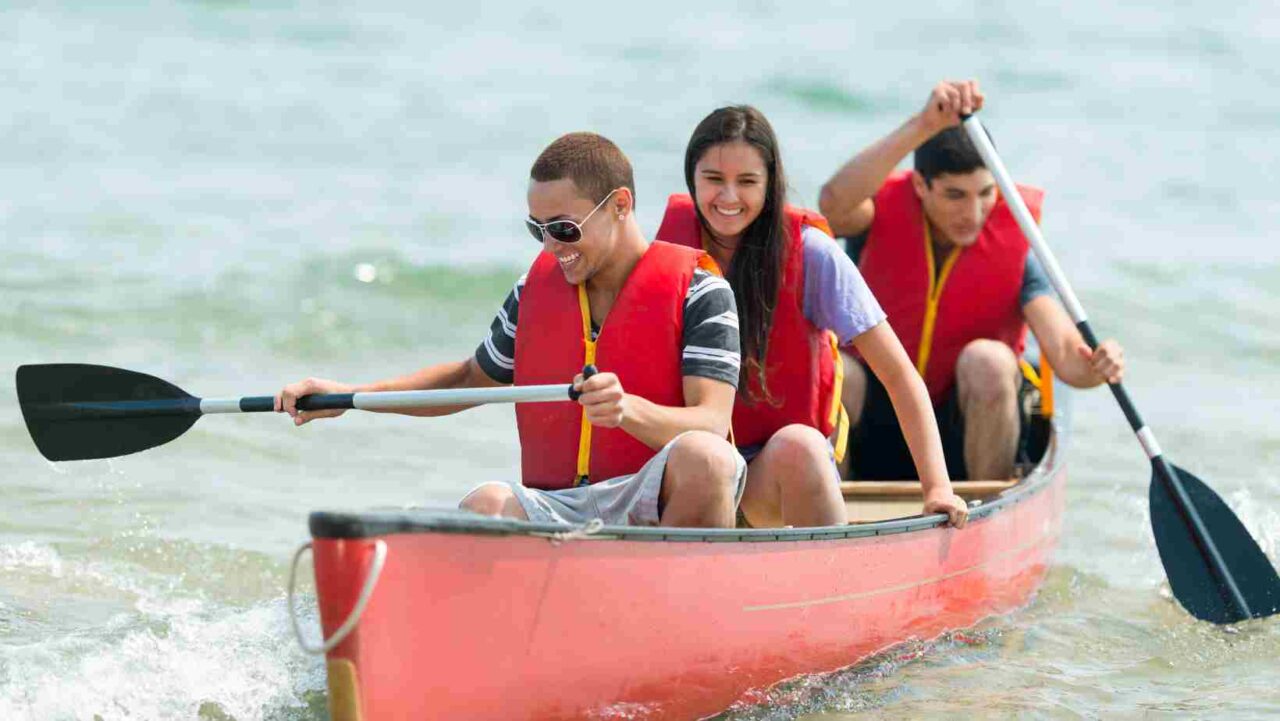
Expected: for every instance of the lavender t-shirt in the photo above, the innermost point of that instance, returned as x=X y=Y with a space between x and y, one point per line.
x=836 y=296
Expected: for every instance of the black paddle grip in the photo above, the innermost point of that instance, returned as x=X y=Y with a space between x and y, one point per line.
x=257 y=404
x=587 y=372
x=1122 y=396
x=318 y=402
x=327 y=402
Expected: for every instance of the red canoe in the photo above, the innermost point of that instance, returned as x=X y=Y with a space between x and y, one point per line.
x=479 y=618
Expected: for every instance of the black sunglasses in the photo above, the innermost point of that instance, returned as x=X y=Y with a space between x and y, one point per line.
x=564 y=231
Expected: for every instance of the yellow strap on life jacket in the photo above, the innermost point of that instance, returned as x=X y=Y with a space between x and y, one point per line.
x=1046 y=388
x=1042 y=381
x=842 y=434
x=936 y=283
x=1029 y=372
x=589 y=358
x=837 y=381
x=839 y=417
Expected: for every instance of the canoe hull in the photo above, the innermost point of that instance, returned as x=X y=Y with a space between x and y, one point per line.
x=507 y=625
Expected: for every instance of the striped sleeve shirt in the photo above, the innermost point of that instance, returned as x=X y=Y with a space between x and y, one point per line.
x=710 y=345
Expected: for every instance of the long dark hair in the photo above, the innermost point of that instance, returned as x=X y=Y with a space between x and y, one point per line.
x=756 y=269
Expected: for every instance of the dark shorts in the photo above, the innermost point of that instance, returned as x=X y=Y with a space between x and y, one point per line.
x=878 y=450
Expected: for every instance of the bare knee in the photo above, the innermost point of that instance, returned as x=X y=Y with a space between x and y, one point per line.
x=701 y=468
x=793 y=482
x=491 y=499
x=986 y=373
x=799 y=454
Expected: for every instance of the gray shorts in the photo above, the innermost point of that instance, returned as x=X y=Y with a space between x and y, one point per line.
x=622 y=501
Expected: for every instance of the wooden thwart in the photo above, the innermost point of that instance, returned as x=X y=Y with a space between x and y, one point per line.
x=965 y=489
x=869 y=501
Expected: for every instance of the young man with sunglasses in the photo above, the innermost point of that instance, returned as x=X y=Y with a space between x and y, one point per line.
x=646 y=442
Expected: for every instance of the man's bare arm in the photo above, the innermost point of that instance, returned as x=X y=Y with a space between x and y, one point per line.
x=1069 y=355
x=889 y=361
x=846 y=198
x=458 y=374
x=708 y=407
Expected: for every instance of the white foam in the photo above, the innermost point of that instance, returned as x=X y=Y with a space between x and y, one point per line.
x=31 y=556
x=164 y=659
x=243 y=660
x=1259 y=518
x=95 y=577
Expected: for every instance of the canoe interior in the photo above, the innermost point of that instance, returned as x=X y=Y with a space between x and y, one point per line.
x=870 y=501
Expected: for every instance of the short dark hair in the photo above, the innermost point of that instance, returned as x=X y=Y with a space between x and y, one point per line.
x=594 y=164
x=950 y=151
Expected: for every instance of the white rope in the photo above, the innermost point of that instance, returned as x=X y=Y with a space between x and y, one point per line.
x=349 y=625
x=577 y=533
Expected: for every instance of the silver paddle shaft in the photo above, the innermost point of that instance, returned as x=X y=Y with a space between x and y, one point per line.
x=1026 y=221
x=399 y=400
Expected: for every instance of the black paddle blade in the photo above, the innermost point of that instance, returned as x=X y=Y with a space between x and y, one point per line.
x=1191 y=574
x=76 y=411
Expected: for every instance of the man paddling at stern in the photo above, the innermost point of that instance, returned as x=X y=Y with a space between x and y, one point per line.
x=645 y=444
x=945 y=257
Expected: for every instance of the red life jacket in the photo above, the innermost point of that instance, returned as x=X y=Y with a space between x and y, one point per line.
x=802 y=368
x=640 y=341
x=976 y=294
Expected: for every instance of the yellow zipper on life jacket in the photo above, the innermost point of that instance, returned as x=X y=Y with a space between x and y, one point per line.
x=589 y=358
x=936 y=282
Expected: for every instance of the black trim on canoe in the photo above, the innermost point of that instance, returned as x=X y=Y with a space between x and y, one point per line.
x=368 y=524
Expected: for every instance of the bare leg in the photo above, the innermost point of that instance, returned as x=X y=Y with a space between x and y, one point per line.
x=793 y=483
x=987 y=384
x=700 y=483
x=854 y=397
x=494 y=499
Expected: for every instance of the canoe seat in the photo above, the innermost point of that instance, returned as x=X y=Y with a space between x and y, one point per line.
x=868 y=501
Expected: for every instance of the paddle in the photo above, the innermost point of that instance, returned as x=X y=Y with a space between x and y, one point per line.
x=76 y=411
x=1215 y=568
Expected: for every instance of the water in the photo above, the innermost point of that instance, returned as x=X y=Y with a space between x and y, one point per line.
x=235 y=194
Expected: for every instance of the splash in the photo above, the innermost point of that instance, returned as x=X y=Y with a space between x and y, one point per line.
x=29 y=556
x=235 y=660
x=1259 y=518
x=171 y=656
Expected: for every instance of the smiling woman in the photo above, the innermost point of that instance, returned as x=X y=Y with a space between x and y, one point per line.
x=799 y=298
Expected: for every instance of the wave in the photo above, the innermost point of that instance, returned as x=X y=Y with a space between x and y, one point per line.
x=171 y=656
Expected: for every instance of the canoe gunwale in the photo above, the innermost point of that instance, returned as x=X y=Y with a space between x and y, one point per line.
x=370 y=524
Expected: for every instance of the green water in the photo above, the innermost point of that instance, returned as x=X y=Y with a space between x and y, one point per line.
x=233 y=195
